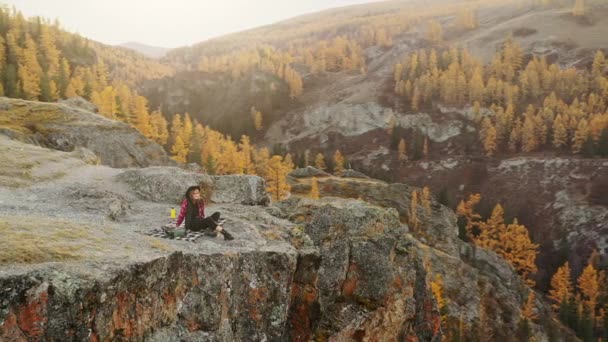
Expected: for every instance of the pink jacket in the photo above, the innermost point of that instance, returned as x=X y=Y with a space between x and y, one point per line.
x=182 y=212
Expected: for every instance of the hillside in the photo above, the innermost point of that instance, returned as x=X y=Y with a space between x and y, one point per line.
x=299 y=269
x=505 y=99
x=146 y=50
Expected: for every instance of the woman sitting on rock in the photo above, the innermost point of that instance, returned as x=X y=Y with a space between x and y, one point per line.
x=193 y=211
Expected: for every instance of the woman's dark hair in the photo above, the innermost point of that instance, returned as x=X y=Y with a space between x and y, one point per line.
x=190 y=189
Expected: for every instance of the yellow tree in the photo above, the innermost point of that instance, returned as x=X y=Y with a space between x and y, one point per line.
x=108 y=106
x=142 y=117
x=256 y=116
x=425 y=148
x=434 y=32
x=413 y=217
x=402 y=150
x=425 y=200
x=490 y=230
x=179 y=150
x=30 y=71
x=467 y=210
x=579 y=8
x=246 y=151
x=176 y=128
x=338 y=162
x=589 y=287
x=529 y=138
x=527 y=311
x=187 y=130
x=320 y=161
x=261 y=157
x=276 y=178
x=158 y=124
x=580 y=136
x=561 y=286
x=560 y=132
x=476 y=87
x=488 y=137
x=314 y=188
x=437 y=289
x=515 y=246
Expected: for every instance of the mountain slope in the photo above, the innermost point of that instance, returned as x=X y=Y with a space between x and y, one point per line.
x=146 y=50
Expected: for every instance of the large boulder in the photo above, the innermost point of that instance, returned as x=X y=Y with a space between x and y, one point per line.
x=161 y=184
x=168 y=185
x=68 y=126
x=438 y=224
x=243 y=189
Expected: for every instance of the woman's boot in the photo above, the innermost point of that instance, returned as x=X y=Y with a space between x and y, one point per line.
x=227 y=236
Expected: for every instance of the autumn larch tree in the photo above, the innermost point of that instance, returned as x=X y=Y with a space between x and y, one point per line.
x=561 y=286
x=314 y=188
x=338 y=163
x=320 y=161
x=276 y=178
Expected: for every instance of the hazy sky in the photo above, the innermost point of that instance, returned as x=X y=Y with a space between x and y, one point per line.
x=164 y=23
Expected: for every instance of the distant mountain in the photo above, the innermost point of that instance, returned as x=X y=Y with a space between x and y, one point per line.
x=147 y=50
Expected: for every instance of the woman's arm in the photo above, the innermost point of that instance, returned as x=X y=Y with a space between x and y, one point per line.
x=182 y=213
x=201 y=209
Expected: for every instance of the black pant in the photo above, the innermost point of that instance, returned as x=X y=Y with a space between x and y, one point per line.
x=209 y=222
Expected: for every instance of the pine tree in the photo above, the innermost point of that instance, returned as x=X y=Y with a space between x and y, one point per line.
x=599 y=62
x=196 y=145
x=413 y=214
x=488 y=136
x=529 y=138
x=466 y=210
x=425 y=148
x=246 y=151
x=320 y=162
x=491 y=229
x=338 y=163
x=256 y=116
x=158 y=124
x=437 y=289
x=560 y=133
x=179 y=150
x=589 y=287
x=527 y=311
x=561 y=286
x=314 y=188
x=402 y=150
x=142 y=117
x=276 y=178
x=580 y=136
x=30 y=71
x=262 y=158
x=425 y=200
x=515 y=246
x=176 y=129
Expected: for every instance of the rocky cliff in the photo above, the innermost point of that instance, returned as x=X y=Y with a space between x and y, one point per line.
x=78 y=267
x=73 y=124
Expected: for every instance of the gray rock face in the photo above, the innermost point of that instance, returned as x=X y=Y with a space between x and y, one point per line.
x=350 y=173
x=309 y=171
x=439 y=225
x=243 y=189
x=66 y=127
x=168 y=184
x=225 y=297
x=80 y=103
x=161 y=184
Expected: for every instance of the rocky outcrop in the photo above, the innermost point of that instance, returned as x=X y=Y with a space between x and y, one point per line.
x=66 y=127
x=439 y=225
x=299 y=270
x=243 y=189
x=168 y=184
